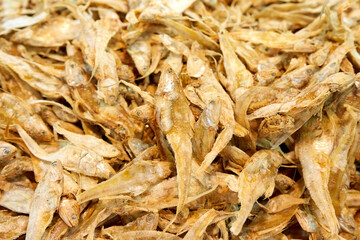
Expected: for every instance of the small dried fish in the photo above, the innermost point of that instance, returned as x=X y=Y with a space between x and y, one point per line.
x=48 y=191
x=168 y=119
x=238 y=77
x=306 y=220
x=73 y=158
x=99 y=146
x=16 y=111
x=316 y=142
x=176 y=121
x=199 y=227
x=69 y=211
x=285 y=41
x=134 y=179
x=17 y=168
x=256 y=179
x=140 y=51
x=206 y=129
x=57 y=230
x=283 y=201
x=148 y=235
x=53 y=33
x=12 y=226
x=17 y=198
x=48 y=85
x=148 y=222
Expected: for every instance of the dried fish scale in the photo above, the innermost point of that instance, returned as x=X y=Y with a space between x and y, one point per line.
x=194 y=119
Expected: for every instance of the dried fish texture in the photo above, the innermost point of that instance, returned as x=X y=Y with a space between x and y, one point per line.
x=315 y=144
x=134 y=179
x=175 y=119
x=16 y=111
x=53 y=33
x=12 y=226
x=256 y=179
x=17 y=197
x=179 y=119
x=46 y=201
x=73 y=158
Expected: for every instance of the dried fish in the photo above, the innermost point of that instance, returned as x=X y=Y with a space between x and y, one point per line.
x=16 y=111
x=238 y=77
x=12 y=226
x=17 y=168
x=99 y=146
x=73 y=158
x=176 y=121
x=57 y=230
x=69 y=211
x=17 y=198
x=53 y=33
x=316 y=142
x=256 y=179
x=48 y=85
x=172 y=119
x=148 y=222
x=283 y=201
x=134 y=179
x=46 y=201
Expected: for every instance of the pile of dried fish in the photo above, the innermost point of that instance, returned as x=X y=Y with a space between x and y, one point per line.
x=171 y=119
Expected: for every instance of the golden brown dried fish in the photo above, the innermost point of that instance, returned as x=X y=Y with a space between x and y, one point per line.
x=332 y=64
x=71 y=186
x=17 y=167
x=46 y=201
x=284 y=41
x=315 y=144
x=208 y=91
x=319 y=57
x=57 y=230
x=48 y=85
x=49 y=117
x=146 y=234
x=175 y=119
x=199 y=227
x=283 y=201
x=339 y=159
x=17 y=198
x=306 y=220
x=206 y=129
x=267 y=224
x=256 y=179
x=238 y=77
x=99 y=146
x=148 y=222
x=69 y=211
x=134 y=179
x=73 y=158
x=53 y=33
x=140 y=52
x=12 y=226
x=16 y=111
x=176 y=115
x=187 y=32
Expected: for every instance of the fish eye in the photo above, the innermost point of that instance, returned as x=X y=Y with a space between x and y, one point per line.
x=6 y=151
